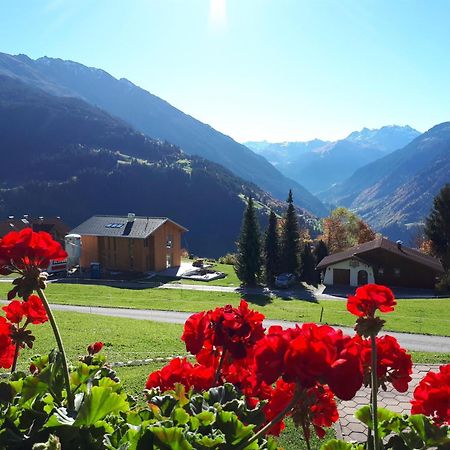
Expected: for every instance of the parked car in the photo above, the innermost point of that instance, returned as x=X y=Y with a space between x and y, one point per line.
x=285 y=280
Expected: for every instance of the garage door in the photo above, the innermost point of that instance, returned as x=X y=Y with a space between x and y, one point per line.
x=341 y=276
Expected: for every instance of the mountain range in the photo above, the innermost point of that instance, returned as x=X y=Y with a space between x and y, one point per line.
x=395 y=193
x=64 y=157
x=156 y=118
x=78 y=142
x=319 y=164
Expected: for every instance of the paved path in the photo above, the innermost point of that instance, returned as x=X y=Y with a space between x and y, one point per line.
x=412 y=342
x=351 y=429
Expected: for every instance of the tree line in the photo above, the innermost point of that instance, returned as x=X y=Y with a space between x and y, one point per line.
x=283 y=248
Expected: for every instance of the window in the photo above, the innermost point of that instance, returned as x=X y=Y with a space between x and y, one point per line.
x=114 y=225
x=169 y=260
x=380 y=270
x=169 y=241
x=397 y=272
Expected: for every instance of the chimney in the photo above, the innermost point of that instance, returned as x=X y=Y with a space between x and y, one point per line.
x=399 y=244
x=131 y=217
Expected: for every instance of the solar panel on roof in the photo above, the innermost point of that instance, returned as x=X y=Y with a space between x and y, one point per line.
x=114 y=225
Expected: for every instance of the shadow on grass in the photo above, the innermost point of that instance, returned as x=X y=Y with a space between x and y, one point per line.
x=118 y=284
x=262 y=295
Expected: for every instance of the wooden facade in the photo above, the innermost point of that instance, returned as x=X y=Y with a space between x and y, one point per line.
x=383 y=262
x=155 y=252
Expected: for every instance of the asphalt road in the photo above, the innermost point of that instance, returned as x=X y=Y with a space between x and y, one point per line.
x=412 y=342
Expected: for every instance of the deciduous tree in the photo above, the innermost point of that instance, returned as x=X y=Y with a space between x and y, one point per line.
x=344 y=229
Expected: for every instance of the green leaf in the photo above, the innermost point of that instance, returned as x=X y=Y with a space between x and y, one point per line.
x=172 y=437
x=206 y=418
x=98 y=404
x=180 y=416
x=335 y=444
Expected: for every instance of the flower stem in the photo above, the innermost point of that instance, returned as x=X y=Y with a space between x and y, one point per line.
x=61 y=349
x=16 y=356
x=374 y=392
x=274 y=421
x=219 y=367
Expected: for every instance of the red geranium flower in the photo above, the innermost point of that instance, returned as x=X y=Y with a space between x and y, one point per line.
x=26 y=248
x=228 y=328
x=7 y=348
x=269 y=354
x=307 y=355
x=280 y=399
x=316 y=406
x=432 y=396
x=95 y=348
x=394 y=365
x=196 y=331
x=323 y=409
x=369 y=298
x=180 y=370
x=34 y=310
x=14 y=311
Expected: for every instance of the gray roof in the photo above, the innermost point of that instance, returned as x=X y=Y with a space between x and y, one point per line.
x=119 y=226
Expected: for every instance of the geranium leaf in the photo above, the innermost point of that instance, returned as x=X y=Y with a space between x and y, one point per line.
x=100 y=402
x=335 y=444
x=172 y=437
x=180 y=416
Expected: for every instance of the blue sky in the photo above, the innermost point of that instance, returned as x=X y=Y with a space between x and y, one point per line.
x=258 y=69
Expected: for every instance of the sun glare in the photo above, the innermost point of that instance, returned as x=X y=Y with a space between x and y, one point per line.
x=218 y=13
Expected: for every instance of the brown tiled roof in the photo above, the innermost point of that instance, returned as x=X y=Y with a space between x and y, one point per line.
x=118 y=226
x=385 y=244
x=48 y=224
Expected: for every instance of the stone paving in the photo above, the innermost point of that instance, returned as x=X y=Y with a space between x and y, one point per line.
x=350 y=429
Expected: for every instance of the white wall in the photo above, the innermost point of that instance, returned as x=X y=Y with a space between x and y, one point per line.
x=328 y=278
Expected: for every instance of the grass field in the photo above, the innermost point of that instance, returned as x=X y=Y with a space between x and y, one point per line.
x=427 y=316
x=128 y=339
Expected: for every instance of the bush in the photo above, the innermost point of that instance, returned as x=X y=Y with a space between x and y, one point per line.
x=443 y=285
x=229 y=258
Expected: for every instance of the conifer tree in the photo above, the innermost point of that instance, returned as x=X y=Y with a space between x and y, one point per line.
x=308 y=265
x=437 y=226
x=319 y=253
x=271 y=250
x=248 y=258
x=289 y=255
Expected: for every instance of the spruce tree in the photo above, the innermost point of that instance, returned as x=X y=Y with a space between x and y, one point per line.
x=319 y=253
x=437 y=226
x=271 y=250
x=248 y=258
x=308 y=265
x=289 y=258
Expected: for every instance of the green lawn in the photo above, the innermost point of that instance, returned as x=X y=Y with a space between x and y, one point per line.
x=128 y=339
x=427 y=316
